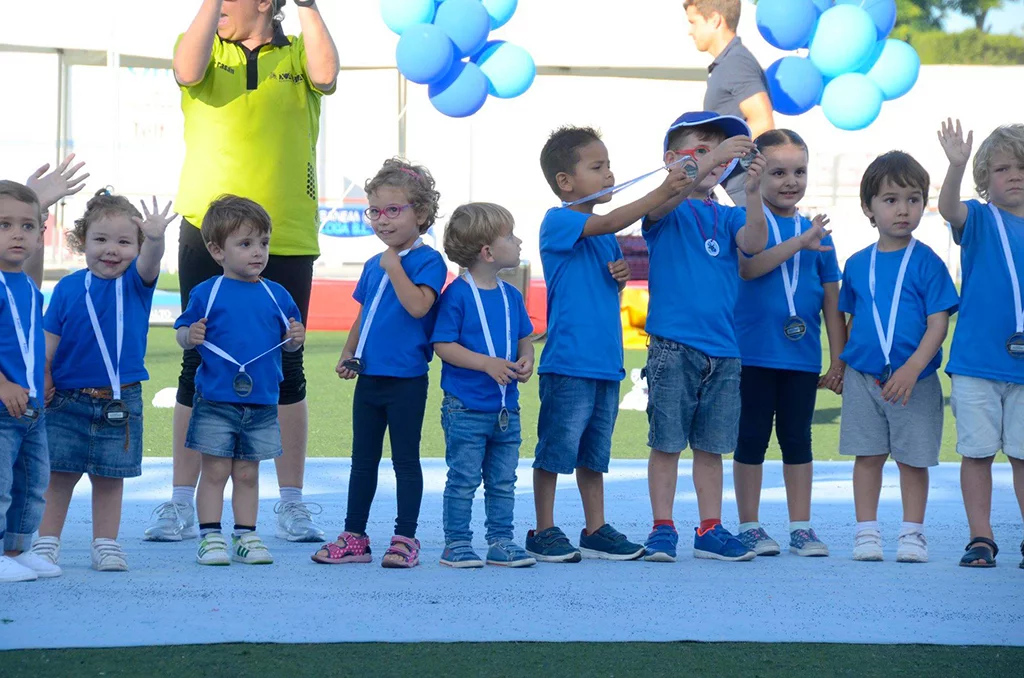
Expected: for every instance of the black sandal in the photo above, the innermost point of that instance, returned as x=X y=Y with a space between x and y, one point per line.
x=987 y=552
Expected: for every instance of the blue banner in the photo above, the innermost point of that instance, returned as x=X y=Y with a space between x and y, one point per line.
x=344 y=222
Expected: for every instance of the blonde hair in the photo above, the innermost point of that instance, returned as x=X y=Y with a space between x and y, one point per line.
x=417 y=183
x=104 y=204
x=23 y=194
x=1006 y=138
x=473 y=227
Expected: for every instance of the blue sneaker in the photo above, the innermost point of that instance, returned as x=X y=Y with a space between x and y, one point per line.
x=719 y=544
x=551 y=546
x=608 y=544
x=507 y=553
x=661 y=545
x=460 y=555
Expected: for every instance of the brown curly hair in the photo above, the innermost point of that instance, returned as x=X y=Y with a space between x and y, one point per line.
x=416 y=181
x=103 y=204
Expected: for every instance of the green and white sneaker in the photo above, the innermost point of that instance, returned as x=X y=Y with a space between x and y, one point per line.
x=250 y=549
x=213 y=550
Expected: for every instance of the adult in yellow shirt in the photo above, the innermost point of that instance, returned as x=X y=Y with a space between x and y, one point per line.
x=251 y=99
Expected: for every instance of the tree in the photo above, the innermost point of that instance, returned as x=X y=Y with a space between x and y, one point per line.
x=977 y=9
x=920 y=15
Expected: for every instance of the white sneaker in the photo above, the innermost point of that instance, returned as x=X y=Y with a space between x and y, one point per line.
x=250 y=549
x=913 y=548
x=48 y=548
x=295 y=521
x=867 y=546
x=107 y=556
x=12 y=571
x=172 y=522
x=213 y=550
x=43 y=567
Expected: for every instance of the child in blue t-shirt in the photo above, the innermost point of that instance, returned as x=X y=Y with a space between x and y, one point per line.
x=24 y=467
x=96 y=329
x=240 y=322
x=693 y=361
x=389 y=350
x=581 y=365
x=787 y=288
x=482 y=335
x=900 y=297
x=986 y=361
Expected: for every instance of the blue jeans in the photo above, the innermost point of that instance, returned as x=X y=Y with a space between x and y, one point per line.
x=233 y=431
x=476 y=446
x=82 y=442
x=24 y=476
x=577 y=418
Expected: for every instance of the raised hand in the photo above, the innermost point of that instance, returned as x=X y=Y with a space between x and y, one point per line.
x=958 y=149
x=677 y=181
x=58 y=184
x=754 y=174
x=731 y=149
x=811 y=240
x=154 y=224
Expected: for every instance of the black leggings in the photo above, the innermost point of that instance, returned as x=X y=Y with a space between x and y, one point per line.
x=785 y=398
x=295 y=274
x=396 y=405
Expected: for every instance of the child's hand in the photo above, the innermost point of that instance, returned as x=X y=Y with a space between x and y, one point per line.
x=833 y=379
x=731 y=149
x=58 y=184
x=901 y=384
x=677 y=182
x=811 y=240
x=197 y=333
x=344 y=372
x=154 y=223
x=296 y=332
x=501 y=370
x=14 y=397
x=524 y=368
x=619 y=270
x=754 y=174
x=958 y=151
x=48 y=388
x=389 y=260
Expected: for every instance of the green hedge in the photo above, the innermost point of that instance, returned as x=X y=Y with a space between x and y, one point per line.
x=969 y=47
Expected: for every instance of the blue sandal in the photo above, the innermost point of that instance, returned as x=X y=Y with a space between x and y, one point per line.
x=987 y=552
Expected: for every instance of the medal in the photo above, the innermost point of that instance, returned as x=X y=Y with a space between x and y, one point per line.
x=691 y=169
x=1015 y=344
x=26 y=344
x=31 y=413
x=115 y=413
x=503 y=419
x=711 y=247
x=354 y=365
x=795 y=328
x=885 y=376
x=748 y=160
x=485 y=328
x=885 y=338
x=242 y=384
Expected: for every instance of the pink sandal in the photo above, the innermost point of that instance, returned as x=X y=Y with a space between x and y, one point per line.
x=403 y=553
x=349 y=548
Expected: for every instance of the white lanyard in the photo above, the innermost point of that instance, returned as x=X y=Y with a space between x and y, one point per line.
x=487 y=330
x=364 y=329
x=113 y=374
x=788 y=283
x=25 y=344
x=224 y=354
x=885 y=339
x=691 y=171
x=1014 y=281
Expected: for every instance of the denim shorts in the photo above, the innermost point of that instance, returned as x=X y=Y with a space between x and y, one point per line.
x=81 y=441
x=24 y=476
x=574 y=429
x=233 y=431
x=693 y=400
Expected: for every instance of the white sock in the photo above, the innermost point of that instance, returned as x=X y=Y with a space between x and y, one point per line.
x=184 y=494
x=867 y=525
x=749 y=526
x=795 y=525
x=911 y=528
x=291 y=494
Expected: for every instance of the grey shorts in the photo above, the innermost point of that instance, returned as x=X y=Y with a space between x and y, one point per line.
x=869 y=427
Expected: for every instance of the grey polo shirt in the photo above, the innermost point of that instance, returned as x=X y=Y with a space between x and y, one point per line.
x=733 y=76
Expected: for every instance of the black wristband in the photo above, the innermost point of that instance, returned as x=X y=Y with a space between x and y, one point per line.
x=304 y=3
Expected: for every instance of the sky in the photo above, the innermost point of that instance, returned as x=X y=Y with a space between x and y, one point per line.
x=1010 y=19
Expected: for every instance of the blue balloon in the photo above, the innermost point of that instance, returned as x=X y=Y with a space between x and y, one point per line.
x=896 y=70
x=399 y=15
x=822 y=5
x=509 y=68
x=843 y=40
x=466 y=22
x=882 y=13
x=424 y=54
x=462 y=92
x=786 y=24
x=851 y=101
x=500 y=11
x=872 y=58
x=794 y=85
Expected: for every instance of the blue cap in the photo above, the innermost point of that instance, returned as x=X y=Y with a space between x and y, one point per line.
x=730 y=125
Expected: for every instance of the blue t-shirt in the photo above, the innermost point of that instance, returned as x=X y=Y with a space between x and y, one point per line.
x=78 y=362
x=693 y=295
x=584 y=323
x=762 y=309
x=398 y=344
x=244 y=322
x=12 y=364
x=987 y=318
x=927 y=289
x=458 y=321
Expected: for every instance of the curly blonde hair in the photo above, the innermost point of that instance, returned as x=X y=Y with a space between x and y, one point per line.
x=104 y=204
x=472 y=227
x=1005 y=138
x=416 y=181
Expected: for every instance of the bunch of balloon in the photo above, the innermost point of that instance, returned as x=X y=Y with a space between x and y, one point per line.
x=444 y=45
x=851 y=67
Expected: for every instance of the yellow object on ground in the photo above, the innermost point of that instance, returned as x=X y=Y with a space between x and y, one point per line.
x=634 y=317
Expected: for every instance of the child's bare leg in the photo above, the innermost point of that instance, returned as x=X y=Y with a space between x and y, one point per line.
x=799 y=479
x=58 y=499
x=245 y=491
x=707 y=481
x=591 y=484
x=210 y=494
x=106 y=506
x=544 y=484
x=867 y=486
x=1017 y=466
x=976 y=486
x=914 y=490
x=746 y=481
x=662 y=476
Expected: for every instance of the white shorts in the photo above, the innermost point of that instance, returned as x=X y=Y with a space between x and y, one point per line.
x=989 y=417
